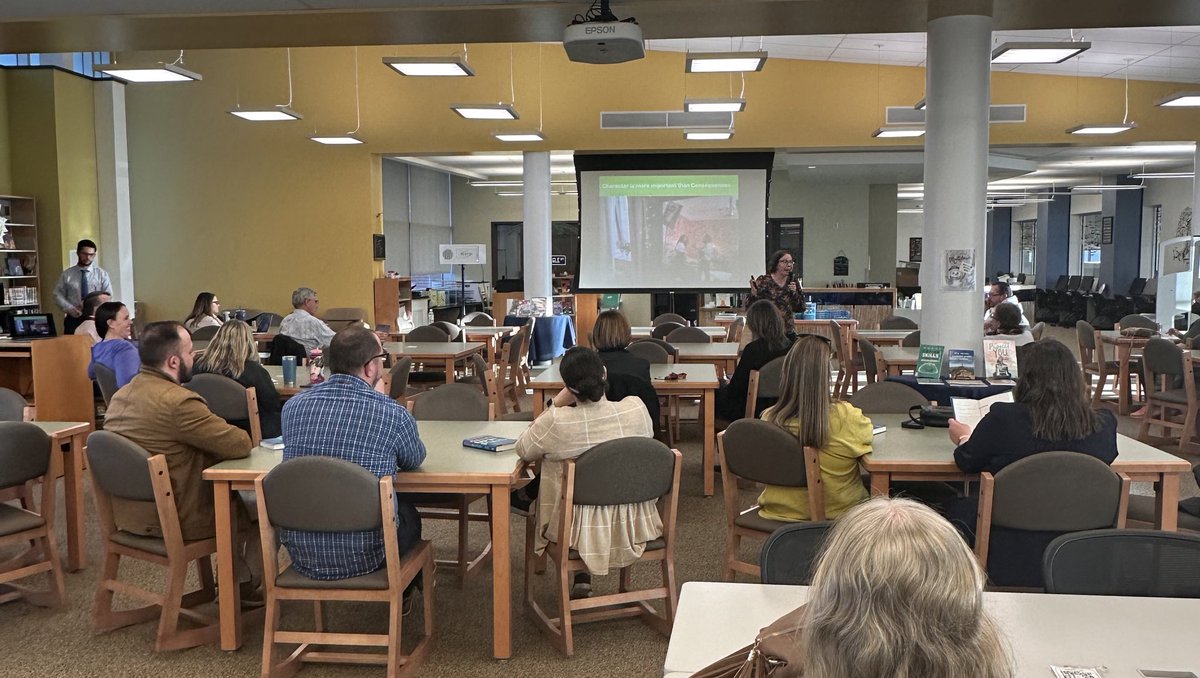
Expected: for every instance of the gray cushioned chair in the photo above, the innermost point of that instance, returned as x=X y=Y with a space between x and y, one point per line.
x=621 y=471
x=324 y=494
x=897 y=322
x=339 y=319
x=26 y=456
x=668 y=318
x=398 y=388
x=1136 y=320
x=453 y=331
x=229 y=400
x=887 y=397
x=425 y=333
x=688 y=335
x=868 y=356
x=734 y=333
x=1124 y=563
x=1171 y=401
x=205 y=333
x=106 y=379
x=672 y=351
x=789 y=555
x=650 y=352
x=121 y=469
x=912 y=340
x=761 y=452
x=478 y=375
x=661 y=330
x=12 y=405
x=764 y=383
x=479 y=319
x=452 y=402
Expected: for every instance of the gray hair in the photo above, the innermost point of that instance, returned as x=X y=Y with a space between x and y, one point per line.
x=301 y=295
x=897 y=592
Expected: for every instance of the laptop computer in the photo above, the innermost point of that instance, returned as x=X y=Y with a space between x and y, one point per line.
x=31 y=326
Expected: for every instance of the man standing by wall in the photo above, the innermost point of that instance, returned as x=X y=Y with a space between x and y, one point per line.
x=77 y=282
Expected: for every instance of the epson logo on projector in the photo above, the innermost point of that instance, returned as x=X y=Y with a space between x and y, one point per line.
x=592 y=30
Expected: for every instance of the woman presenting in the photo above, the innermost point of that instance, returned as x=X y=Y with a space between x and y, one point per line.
x=778 y=286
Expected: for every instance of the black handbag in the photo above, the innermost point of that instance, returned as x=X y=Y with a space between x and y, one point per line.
x=937 y=416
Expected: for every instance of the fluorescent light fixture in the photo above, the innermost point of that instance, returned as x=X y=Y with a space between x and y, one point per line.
x=337 y=139
x=909 y=195
x=734 y=105
x=273 y=114
x=1163 y=175
x=1112 y=128
x=1180 y=99
x=510 y=194
x=725 y=62
x=910 y=210
x=1109 y=187
x=485 y=111
x=149 y=73
x=707 y=134
x=898 y=132
x=519 y=136
x=510 y=183
x=1037 y=52
x=429 y=66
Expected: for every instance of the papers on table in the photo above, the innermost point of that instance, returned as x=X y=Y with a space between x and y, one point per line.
x=969 y=411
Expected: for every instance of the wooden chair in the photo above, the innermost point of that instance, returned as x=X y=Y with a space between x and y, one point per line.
x=1050 y=492
x=325 y=494
x=424 y=333
x=1136 y=320
x=659 y=352
x=123 y=470
x=688 y=335
x=419 y=373
x=27 y=456
x=850 y=364
x=479 y=368
x=205 y=333
x=734 y=333
x=897 y=322
x=763 y=383
x=339 y=319
x=453 y=331
x=651 y=352
x=1037 y=331
x=668 y=318
x=661 y=330
x=229 y=400
x=508 y=382
x=1171 y=401
x=525 y=335
x=622 y=471
x=479 y=319
x=761 y=452
x=1093 y=361
x=911 y=340
x=671 y=351
x=106 y=379
x=887 y=397
x=456 y=402
x=872 y=364
x=397 y=381
x=12 y=405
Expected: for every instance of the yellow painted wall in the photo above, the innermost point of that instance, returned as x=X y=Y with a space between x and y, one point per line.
x=5 y=150
x=79 y=209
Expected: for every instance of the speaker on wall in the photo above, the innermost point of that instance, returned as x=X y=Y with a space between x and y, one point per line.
x=461 y=254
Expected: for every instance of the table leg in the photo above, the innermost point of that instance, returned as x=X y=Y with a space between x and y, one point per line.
x=880 y=483
x=1124 y=394
x=228 y=593
x=539 y=401
x=501 y=575
x=73 y=488
x=709 y=422
x=1166 y=502
x=450 y=363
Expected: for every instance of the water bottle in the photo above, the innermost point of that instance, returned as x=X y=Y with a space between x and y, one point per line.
x=810 y=309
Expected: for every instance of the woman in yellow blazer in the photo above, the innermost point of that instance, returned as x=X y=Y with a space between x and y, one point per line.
x=838 y=429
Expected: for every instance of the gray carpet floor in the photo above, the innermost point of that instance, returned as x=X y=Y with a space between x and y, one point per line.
x=47 y=642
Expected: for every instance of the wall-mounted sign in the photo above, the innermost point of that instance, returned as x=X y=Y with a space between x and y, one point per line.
x=841 y=265
x=914 y=249
x=378 y=248
x=1106 y=230
x=558 y=260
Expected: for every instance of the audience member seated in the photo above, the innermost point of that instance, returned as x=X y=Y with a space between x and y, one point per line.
x=770 y=342
x=344 y=417
x=1051 y=412
x=302 y=324
x=115 y=351
x=154 y=411
x=233 y=353
x=1000 y=293
x=839 y=431
x=1007 y=320
x=87 y=323
x=205 y=312
x=611 y=337
x=580 y=417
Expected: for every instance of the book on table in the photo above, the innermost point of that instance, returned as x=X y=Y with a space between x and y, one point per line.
x=929 y=364
x=962 y=364
x=1000 y=359
x=490 y=443
x=272 y=443
x=970 y=411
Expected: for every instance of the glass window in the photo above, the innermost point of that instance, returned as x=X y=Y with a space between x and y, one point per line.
x=1089 y=244
x=1028 y=247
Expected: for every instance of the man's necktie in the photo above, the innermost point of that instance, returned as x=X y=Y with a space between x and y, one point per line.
x=83 y=286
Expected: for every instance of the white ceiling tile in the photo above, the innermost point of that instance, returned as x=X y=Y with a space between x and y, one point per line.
x=1128 y=35
x=801 y=52
x=885 y=45
x=806 y=40
x=888 y=37
x=1129 y=48
x=1185 y=51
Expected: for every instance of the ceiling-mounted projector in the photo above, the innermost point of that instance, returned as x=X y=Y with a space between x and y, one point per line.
x=599 y=37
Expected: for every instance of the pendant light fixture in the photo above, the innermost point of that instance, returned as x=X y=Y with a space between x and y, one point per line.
x=148 y=73
x=497 y=111
x=1054 y=52
x=1109 y=128
x=424 y=67
x=349 y=138
x=530 y=136
x=892 y=131
x=280 y=113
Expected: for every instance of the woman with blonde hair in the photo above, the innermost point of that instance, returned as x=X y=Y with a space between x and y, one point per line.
x=839 y=431
x=204 y=312
x=898 y=594
x=233 y=353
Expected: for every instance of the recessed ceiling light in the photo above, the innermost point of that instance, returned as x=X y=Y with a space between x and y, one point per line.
x=337 y=140
x=725 y=62
x=273 y=114
x=149 y=73
x=429 y=66
x=519 y=136
x=485 y=111
x=897 y=132
x=707 y=134
x=733 y=105
x=1037 y=52
x=1111 y=128
x=1180 y=99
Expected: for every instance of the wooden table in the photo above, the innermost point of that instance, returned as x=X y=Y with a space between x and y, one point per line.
x=449 y=468
x=447 y=353
x=1125 y=348
x=928 y=454
x=303 y=380
x=701 y=378
x=645 y=332
x=490 y=335
x=897 y=358
x=721 y=355
x=71 y=436
x=1123 y=634
x=883 y=337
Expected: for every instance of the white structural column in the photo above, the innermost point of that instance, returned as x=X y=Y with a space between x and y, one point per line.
x=956 y=149
x=112 y=186
x=536 y=233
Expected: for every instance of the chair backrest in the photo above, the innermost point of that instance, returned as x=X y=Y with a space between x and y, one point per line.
x=897 y=322
x=1037 y=331
x=869 y=359
x=451 y=402
x=668 y=318
x=1086 y=334
x=480 y=368
x=789 y=555
x=322 y=494
x=1137 y=287
x=1073 y=282
x=525 y=334
x=283 y=345
x=734 y=333
x=225 y=397
x=887 y=397
x=688 y=335
x=24 y=452
x=1137 y=320
x=623 y=471
x=662 y=329
x=427 y=333
x=764 y=453
x=453 y=331
x=1162 y=357
x=1085 y=284
x=118 y=466
x=1056 y=492
x=12 y=404
x=912 y=340
x=1060 y=285
x=479 y=319
x=770 y=378
x=205 y=333
x=651 y=352
x=399 y=381
x=340 y=318
x=1124 y=563
x=661 y=343
x=106 y=379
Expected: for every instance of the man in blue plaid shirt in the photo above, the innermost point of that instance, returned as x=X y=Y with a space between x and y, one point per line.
x=346 y=418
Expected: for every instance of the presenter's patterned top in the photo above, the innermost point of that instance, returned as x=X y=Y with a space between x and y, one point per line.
x=787 y=301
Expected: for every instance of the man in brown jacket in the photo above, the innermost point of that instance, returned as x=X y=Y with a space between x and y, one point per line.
x=154 y=411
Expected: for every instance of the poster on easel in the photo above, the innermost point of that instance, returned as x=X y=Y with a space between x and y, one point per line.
x=959 y=271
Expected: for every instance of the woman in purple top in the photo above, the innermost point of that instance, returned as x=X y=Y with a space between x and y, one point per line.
x=115 y=351
x=778 y=286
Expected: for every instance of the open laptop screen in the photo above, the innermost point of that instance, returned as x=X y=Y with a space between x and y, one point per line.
x=32 y=325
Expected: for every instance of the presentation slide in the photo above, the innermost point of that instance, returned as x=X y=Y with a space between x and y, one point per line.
x=672 y=229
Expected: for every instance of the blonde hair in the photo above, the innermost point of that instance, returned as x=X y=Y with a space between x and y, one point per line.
x=804 y=391
x=230 y=349
x=898 y=593
x=611 y=331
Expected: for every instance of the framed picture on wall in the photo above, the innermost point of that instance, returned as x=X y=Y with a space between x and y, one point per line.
x=914 y=249
x=378 y=247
